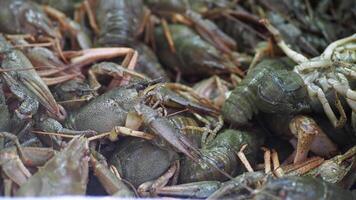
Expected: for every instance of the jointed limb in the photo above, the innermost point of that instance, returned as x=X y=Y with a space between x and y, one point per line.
x=316 y=90
x=295 y=56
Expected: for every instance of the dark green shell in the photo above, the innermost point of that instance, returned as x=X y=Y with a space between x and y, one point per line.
x=139 y=161
x=270 y=88
x=194 y=56
x=222 y=153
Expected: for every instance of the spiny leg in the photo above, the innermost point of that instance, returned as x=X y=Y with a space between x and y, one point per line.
x=325 y=59
x=305 y=129
x=312 y=65
x=58 y=16
x=129 y=62
x=77 y=36
x=243 y=158
x=53 y=126
x=310 y=138
x=218 y=125
x=316 y=90
x=88 y=56
x=343 y=118
x=349 y=154
x=108 y=178
x=93 y=81
x=57 y=47
x=170 y=173
x=121 y=130
x=52 y=70
x=113 y=134
x=342 y=87
x=329 y=50
x=149 y=188
x=195 y=128
x=349 y=72
x=301 y=168
x=111 y=69
x=206 y=138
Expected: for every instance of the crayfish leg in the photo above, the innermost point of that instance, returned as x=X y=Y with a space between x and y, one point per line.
x=112 y=184
x=310 y=137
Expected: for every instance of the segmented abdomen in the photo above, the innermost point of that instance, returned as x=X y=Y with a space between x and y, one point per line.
x=193 y=56
x=118 y=21
x=240 y=106
x=182 y=122
x=222 y=157
x=221 y=153
x=147 y=62
x=268 y=87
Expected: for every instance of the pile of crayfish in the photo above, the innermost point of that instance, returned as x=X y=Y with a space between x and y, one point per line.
x=199 y=99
